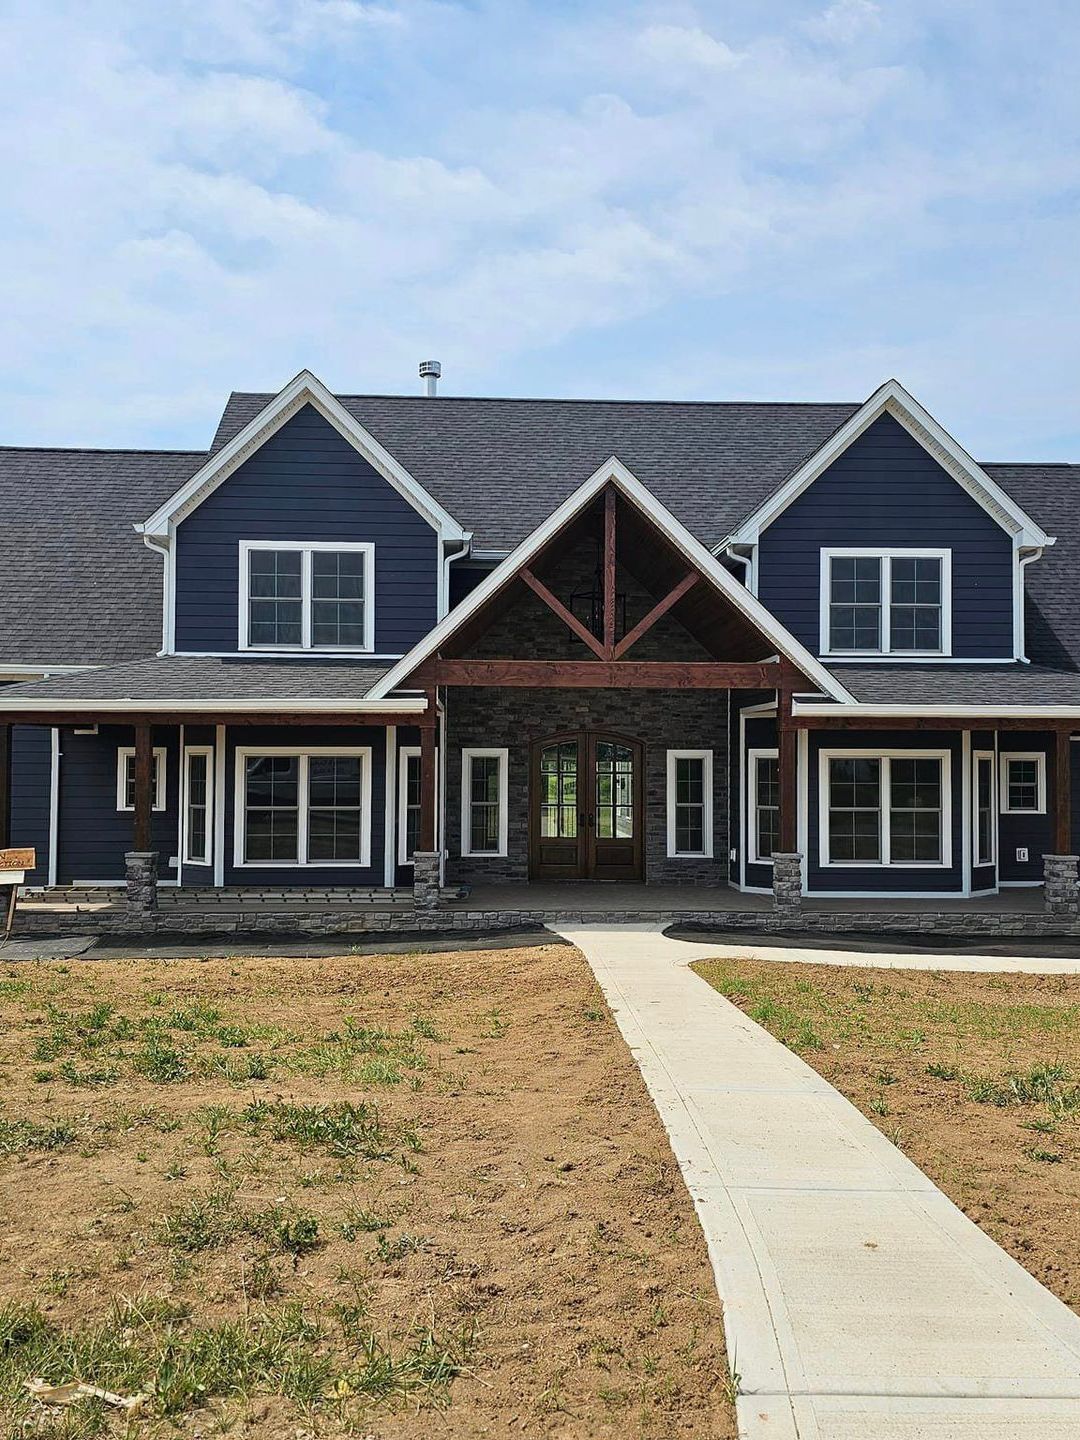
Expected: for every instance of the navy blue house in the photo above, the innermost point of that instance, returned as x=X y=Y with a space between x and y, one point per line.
x=376 y=642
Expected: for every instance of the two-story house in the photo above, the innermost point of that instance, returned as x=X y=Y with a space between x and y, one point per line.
x=383 y=641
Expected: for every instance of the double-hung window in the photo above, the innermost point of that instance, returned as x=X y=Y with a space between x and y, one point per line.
x=125 y=778
x=1023 y=783
x=408 y=829
x=311 y=596
x=690 y=804
x=303 y=807
x=484 y=824
x=887 y=602
x=885 y=809
x=198 y=804
x=763 y=787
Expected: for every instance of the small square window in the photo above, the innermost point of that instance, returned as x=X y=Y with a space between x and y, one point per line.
x=125 y=778
x=1023 y=783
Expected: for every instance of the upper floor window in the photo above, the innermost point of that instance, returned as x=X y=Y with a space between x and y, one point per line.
x=313 y=596
x=885 y=602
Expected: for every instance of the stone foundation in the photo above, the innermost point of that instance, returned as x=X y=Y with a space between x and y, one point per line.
x=1062 y=897
x=142 y=879
x=787 y=882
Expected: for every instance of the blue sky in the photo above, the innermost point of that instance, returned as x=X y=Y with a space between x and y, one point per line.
x=761 y=199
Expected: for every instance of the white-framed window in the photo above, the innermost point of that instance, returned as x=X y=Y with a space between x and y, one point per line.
x=484 y=792
x=881 y=808
x=886 y=602
x=198 y=804
x=299 y=808
x=408 y=823
x=1023 y=782
x=983 y=809
x=315 y=595
x=763 y=805
x=125 y=778
x=690 y=804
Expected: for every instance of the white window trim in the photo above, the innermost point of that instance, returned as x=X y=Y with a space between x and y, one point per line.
x=976 y=861
x=1039 y=756
x=303 y=755
x=673 y=756
x=306 y=549
x=753 y=757
x=467 y=757
x=126 y=753
x=405 y=753
x=886 y=556
x=886 y=862
x=208 y=857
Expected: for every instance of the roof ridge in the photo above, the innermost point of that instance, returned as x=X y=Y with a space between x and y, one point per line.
x=564 y=400
x=94 y=450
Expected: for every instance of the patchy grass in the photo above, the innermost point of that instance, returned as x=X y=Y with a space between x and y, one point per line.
x=343 y=1196
x=976 y=1077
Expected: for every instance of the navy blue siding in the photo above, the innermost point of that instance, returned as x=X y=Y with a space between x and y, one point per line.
x=1031 y=831
x=870 y=878
x=94 y=835
x=886 y=490
x=348 y=736
x=305 y=483
x=31 y=770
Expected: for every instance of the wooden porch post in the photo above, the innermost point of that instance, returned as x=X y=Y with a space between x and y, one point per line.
x=1061 y=790
x=5 y=786
x=144 y=780
x=427 y=775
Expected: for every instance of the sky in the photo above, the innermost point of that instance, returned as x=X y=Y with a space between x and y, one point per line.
x=758 y=199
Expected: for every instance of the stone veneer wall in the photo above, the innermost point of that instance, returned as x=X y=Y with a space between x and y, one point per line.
x=662 y=720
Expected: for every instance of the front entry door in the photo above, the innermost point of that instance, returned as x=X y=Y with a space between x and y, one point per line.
x=585 y=808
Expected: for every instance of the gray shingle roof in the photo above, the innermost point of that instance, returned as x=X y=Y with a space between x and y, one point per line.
x=177 y=678
x=989 y=685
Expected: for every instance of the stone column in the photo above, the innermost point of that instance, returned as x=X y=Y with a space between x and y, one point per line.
x=1061 y=895
x=787 y=881
x=142 y=878
x=427 y=892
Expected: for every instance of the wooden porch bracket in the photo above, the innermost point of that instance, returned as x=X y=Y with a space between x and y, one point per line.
x=568 y=618
x=144 y=782
x=604 y=675
x=658 y=610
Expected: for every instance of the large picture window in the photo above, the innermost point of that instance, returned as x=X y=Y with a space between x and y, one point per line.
x=125 y=778
x=885 y=809
x=763 y=787
x=890 y=602
x=298 y=808
x=313 y=596
x=690 y=804
x=484 y=828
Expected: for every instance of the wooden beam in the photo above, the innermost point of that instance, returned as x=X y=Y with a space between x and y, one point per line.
x=568 y=618
x=426 y=837
x=659 y=609
x=5 y=786
x=144 y=784
x=786 y=765
x=604 y=675
x=609 y=573
x=1061 y=790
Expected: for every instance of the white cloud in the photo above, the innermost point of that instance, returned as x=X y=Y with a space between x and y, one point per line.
x=845 y=21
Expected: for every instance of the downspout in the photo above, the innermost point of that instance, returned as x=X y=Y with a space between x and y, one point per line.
x=1035 y=554
x=164 y=549
x=746 y=561
x=464 y=546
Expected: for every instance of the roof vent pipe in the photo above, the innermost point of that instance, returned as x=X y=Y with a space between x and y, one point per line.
x=430 y=370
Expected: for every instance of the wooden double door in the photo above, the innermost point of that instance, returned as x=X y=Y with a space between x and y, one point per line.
x=586 y=816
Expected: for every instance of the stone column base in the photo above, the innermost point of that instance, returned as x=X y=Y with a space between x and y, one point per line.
x=1061 y=893
x=142 y=878
x=787 y=881
x=427 y=892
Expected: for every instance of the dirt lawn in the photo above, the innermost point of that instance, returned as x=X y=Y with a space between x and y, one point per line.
x=395 y=1196
x=975 y=1077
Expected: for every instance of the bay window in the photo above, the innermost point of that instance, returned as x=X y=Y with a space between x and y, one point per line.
x=307 y=596
x=297 y=808
x=885 y=602
x=881 y=809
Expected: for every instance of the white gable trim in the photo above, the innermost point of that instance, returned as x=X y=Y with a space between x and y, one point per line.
x=892 y=399
x=305 y=389
x=696 y=554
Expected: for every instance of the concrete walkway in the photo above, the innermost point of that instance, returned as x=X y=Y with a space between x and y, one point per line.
x=859 y=1302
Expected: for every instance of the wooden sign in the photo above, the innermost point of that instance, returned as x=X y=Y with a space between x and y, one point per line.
x=24 y=859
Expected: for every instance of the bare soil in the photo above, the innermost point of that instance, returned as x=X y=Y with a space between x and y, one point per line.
x=520 y=1217
x=975 y=1077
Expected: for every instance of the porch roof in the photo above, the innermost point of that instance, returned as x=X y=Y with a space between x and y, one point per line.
x=992 y=686
x=212 y=683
